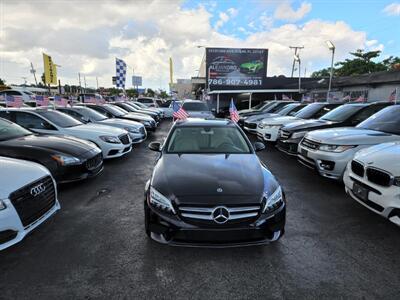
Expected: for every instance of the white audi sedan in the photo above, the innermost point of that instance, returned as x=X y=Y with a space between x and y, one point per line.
x=28 y=197
x=114 y=142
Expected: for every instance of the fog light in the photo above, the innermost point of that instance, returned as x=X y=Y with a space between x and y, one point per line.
x=327 y=165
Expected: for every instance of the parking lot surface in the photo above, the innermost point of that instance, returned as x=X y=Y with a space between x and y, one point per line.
x=95 y=247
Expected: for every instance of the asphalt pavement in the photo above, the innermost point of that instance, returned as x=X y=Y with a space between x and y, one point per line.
x=95 y=247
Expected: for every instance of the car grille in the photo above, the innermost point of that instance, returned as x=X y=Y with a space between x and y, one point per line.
x=30 y=207
x=204 y=215
x=250 y=125
x=94 y=162
x=378 y=177
x=124 y=138
x=310 y=144
x=357 y=168
x=284 y=134
x=142 y=130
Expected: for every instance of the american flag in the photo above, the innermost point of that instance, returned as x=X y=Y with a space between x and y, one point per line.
x=13 y=101
x=42 y=100
x=60 y=101
x=306 y=99
x=361 y=99
x=346 y=98
x=89 y=99
x=233 y=112
x=393 y=95
x=179 y=112
x=99 y=100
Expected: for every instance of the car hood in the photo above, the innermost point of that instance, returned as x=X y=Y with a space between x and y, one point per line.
x=238 y=175
x=137 y=116
x=280 y=120
x=351 y=136
x=120 y=122
x=259 y=117
x=17 y=173
x=60 y=144
x=200 y=114
x=94 y=129
x=383 y=156
x=308 y=125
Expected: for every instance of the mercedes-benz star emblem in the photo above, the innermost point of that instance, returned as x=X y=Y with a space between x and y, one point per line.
x=38 y=189
x=220 y=190
x=220 y=214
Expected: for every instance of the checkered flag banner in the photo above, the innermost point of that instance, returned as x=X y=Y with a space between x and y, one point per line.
x=121 y=73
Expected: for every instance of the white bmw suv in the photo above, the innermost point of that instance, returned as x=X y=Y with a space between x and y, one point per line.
x=28 y=197
x=114 y=142
x=372 y=178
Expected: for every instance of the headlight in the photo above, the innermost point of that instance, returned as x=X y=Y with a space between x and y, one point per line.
x=272 y=201
x=2 y=205
x=335 y=148
x=397 y=181
x=299 y=134
x=65 y=160
x=132 y=129
x=110 y=139
x=160 y=201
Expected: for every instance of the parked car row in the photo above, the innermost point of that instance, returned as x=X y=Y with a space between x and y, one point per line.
x=43 y=147
x=357 y=143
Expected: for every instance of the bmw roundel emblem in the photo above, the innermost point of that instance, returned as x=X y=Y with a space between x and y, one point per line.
x=220 y=190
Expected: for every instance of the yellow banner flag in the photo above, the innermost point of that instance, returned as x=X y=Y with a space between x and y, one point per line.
x=50 y=70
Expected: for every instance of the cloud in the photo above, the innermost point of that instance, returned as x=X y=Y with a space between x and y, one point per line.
x=285 y=12
x=392 y=9
x=225 y=16
x=145 y=35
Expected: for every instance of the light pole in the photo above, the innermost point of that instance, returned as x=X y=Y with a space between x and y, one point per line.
x=331 y=47
x=296 y=57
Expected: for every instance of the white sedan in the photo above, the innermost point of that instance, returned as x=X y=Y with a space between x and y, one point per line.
x=28 y=197
x=114 y=142
x=372 y=178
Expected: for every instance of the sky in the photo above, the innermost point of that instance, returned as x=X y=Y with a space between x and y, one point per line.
x=86 y=36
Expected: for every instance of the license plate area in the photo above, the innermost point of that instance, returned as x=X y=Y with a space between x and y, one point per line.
x=360 y=191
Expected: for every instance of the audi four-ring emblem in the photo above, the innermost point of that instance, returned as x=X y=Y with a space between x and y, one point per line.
x=38 y=189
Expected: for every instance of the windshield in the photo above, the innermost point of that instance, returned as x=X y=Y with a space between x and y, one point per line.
x=10 y=130
x=207 y=139
x=116 y=111
x=386 y=120
x=140 y=104
x=195 y=106
x=260 y=105
x=92 y=114
x=59 y=118
x=125 y=107
x=308 y=111
x=341 y=113
x=283 y=111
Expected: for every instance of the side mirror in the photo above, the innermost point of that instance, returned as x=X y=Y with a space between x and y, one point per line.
x=47 y=125
x=155 y=146
x=85 y=120
x=258 y=146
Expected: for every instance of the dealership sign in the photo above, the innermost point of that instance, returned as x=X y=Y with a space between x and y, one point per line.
x=236 y=68
x=137 y=80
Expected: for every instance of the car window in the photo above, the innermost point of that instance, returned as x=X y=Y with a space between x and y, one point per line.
x=115 y=110
x=341 y=113
x=322 y=111
x=194 y=106
x=11 y=93
x=9 y=130
x=92 y=114
x=283 y=111
x=208 y=139
x=29 y=120
x=144 y=100
x=296 y=110
x=73 y=114
x=386 y=120
x=59 y=118
x=367 y=112
x=275 y=107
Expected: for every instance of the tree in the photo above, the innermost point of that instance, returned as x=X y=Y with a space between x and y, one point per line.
x=149 y=93
x=132 y=93
x=163 y=94
x=2 y=82
x=361 y=63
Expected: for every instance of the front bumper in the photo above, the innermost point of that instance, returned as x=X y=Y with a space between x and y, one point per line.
x=11 y=229
x=138 y=137
x=328 y=164
x=268 y=134
x=172 y=230
x=250 y=127
x=116 y=150
x=384 y=201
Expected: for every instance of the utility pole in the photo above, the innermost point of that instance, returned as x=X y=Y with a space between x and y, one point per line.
x=97 y=83
x=84 y=81
x=33 y=71
x=80 y=85
x=296 y=49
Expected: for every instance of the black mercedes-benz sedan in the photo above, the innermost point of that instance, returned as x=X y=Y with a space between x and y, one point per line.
x=209 y=188
x=67 y=158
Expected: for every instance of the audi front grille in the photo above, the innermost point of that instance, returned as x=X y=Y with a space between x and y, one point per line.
x=34 y=200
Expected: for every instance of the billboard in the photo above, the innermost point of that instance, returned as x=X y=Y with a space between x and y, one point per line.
x=136 y=80
x=236 y=68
